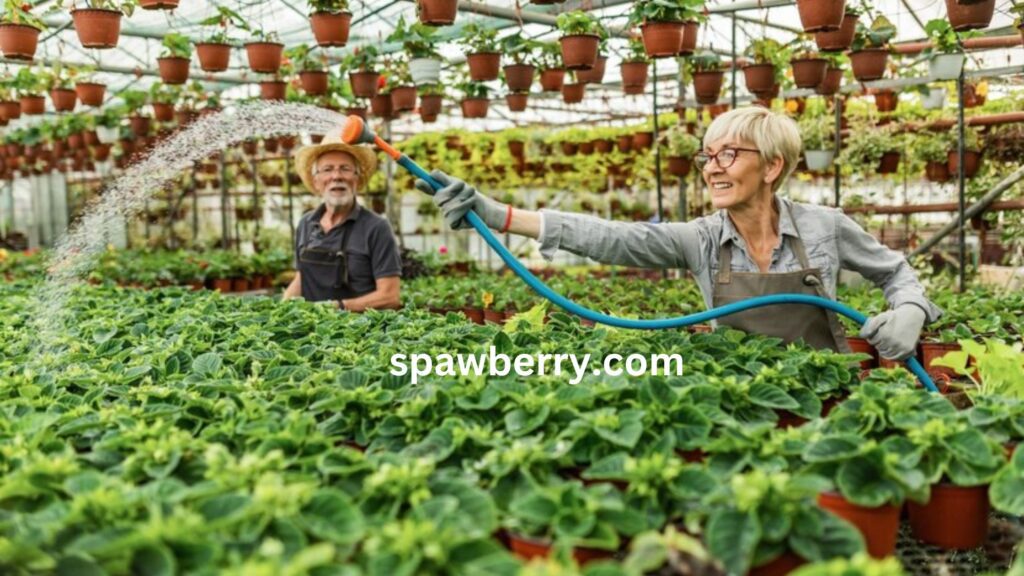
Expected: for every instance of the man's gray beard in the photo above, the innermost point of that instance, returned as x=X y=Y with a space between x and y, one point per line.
x=344 y=202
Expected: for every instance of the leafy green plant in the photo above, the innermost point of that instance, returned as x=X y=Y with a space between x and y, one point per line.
x=681 y=143
x=134 y=100
x=944 y=39
x=472 y=89
x=479 y=39
x=222 y=22
x=362 y=59
x=28 y=82
x=302 y=58
x=164 y=94
x=933 y=146
x=1007 y=490
x=418 y=40
x=578 y=22
x=995 y=367
x=520 y=48
x=876 y=36
x=18 y=12
x=666 y=11
x=176 y=45
x=549 y=56
x=817 y=132
x=860 y=564
x=866 y=472
x=866 y=145
x=333 y=6
x=126 y=7
x=635 y=51
x=704 y=62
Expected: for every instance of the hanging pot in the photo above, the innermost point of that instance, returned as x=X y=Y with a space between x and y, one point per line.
x=33 y=104
x=970 y=16
x=273 y=89
x=213 y=57
x=364 y=84
x=935 y=99
x=930 y=351
x=689 y=43
x=352 y=111
x=163 y=111
x=759 y=77
x=64 y=99
x=107 y=135
x=430 y=104
x=634 y=76
x=946 y=66
x=158 y=4
x=90 y=93
x=662 y=39
x=972 y=162
x=570 y=148
x=97 y=27
x=140 y=125
x=889 y=163
x=519 y=77
x=955 y=517
x=643 y=139
x=517 y=101
x=603 y=145
x=75 y=141
x=886 y=100
x=821 y=15
x=484 y=67
x=832 y=82
x=869 y=64
x=19 y=41
x=425 y=71
x=937 y=172
x=10 y=110
x=382 y=106
x=809 y=72
x=594 y=75
x=573 y=93
x=330 y=28
x=403 y=98
x=101 y=152
x=879 y=525
x=707 y=86
x=819 y=160
x=173 y=69
x=264 y=57
x=313 y=82
x=838 y=40
x=437 y=12
x=551 y=80
x=475 y=107
x=579 y=51
x=679 y=165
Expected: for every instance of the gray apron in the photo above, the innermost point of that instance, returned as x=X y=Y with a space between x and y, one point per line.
x=817 y=327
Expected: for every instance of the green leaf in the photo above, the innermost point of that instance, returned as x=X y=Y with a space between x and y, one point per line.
x=520 y=423
x=770 y=396
x=75 y=565
x=732 y=537
x=833 y=448
x=330 y=515
x=207 y=364
x=863 y=481
x=153 y=560
x=836 y=538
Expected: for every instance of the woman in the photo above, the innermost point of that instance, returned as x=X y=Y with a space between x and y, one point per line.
x=768 y=244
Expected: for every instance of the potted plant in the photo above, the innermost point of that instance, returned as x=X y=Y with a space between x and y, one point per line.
x=581 y=35
x=769 y=59
x=573 y=92
x=88 y=90
x=437 y=12
x=818 y=135
x=134 y=101
x=809 y=67
x=519 y=74
x=595 y=75
x=840 y=39
x=175 y=59
x=475 y=101
x=668 y=28
x=634 y=68
x=872 y=149
x=946 y=56
x=517 y=101
x=264 y=51
x=59 y=80
x=821 y=15
x=98 y=25
x=108 y=123
x=362 y=75
x=330 y=21
x=869 y=51
x=833 y=79
x=482 y=47
x=400 y=85
x=970 y=14
x=681 y=146
x=972 y=153
x=706 y=70
x=932 y=148
x=312 y=76
x=163 y=99
x=215 y=51
x=549 y=62
x=419 y=42
x=19 y=31
x=431 y=101
x=30 y=87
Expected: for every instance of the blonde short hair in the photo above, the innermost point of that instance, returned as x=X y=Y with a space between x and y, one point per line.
x=775 y=135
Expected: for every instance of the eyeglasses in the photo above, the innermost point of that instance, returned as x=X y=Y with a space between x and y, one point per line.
x=344 y=170
x=725 y=157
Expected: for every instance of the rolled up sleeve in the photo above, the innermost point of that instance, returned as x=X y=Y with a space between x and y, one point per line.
x=888 y=269
x=637 y=244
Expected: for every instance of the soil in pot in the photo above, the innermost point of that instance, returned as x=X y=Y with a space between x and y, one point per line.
x=879 y=525
x=955 y=518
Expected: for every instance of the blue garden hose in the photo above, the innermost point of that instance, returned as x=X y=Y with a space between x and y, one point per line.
x=688 y=320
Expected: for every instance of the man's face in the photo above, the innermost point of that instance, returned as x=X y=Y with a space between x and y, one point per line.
x=336 y=179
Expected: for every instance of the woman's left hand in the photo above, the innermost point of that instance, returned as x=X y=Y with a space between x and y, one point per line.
x=895 y=333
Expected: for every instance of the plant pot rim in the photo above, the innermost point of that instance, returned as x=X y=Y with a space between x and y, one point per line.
x=330 y=13
x=84 y=83
x=579 y=36
x=301 y=72
x=484 y=54
x=475 y=100
x=745 y=66
x=108 y=10
x=18 y=25
x=886 y=50
x=264 y=43
x=213 y=44
x=813 y=59
x=173 y=58
x=272 y=82
x=655 y=22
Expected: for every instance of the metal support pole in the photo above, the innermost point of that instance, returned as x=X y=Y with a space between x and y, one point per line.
x=960 y=178
x=288 y=193
x=225 y=241
x=732 y=68
x=837 y=177
x=657 y=147
x=256 y=200
x=195 y=208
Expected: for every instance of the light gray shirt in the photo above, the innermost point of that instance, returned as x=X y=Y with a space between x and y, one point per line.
x=832 y=240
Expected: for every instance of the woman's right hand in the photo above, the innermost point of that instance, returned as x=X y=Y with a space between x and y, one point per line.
x=456 y=198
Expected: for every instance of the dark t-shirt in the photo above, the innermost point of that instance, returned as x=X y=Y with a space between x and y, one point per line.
x=370 y=248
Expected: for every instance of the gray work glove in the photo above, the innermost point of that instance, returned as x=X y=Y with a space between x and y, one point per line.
x=456 y=198
x=895 y=332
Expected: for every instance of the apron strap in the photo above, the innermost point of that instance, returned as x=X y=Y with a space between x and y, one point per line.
x=798 y=243
x=725 y=263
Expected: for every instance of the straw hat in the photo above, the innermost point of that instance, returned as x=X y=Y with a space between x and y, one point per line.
x=306 y=157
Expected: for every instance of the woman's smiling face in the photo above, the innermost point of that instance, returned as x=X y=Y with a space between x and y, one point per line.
x=735 y=175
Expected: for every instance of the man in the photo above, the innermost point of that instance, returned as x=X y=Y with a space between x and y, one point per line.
x=343 y=252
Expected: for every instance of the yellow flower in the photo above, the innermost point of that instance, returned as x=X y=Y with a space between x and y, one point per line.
x=488 y=300
x=3 y=254
x=792 y=106
x=982 y=88
x=110 y=248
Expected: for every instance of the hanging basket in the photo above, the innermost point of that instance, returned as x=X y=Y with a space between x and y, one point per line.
x=551 y=80
x=869 y=64
x=430 y=104
x=364 y=84
x=821 y=15
x=425 y=71
x=213 y=57
x=330 y=28
x=19 y=41
x=937 y=172
x=97 y=27
x=689 y=43
x=634 y=76
x=90 y=93
x=163 y=111
x=10 y=109
x=484 y=67
x=970 y=16
x=809 y=72
x=886 y=100
x=173 y=69
x=707 y=86
x=573 y=93
x=838 y=40
x=64 y=99
x=972 y=162
x=475 y=107
x=594 y=75
x=33 y=104
x=946 y=66
x=832 y=83
x=519 y=77
x=819 y=160
x=264 y=57
x=889 y=163
x=662 y=39
x=273 y=89
x=759 y=77
x=579 y=51
x=679 y=166
x=381 y=106
x=140 y=125
x=403 y=98
x=313 y=82
x=517 y=101
x=437 y=12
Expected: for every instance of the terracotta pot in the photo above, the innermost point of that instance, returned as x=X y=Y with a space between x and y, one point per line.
x=689 y=43
x=97 y=27
x=573 y=93
x=821 y=15
x=101 y=152
x=579 y=51
x=10 y=110
x=779 y=567
x=519 y=77
x=173 y=70
x=90 y=93
x=474 y=315
x=264 y=57
x=886 y=100
x=889 y=163
x=587 y=149
x=158 y=4
x=475 y=107
x=937 y=171
x=382 y=106
x=91 y=137
x=634 y=75
x=517 y=148
x=437 y=12
x=603 y=145
x=879 y=525
x=759 y=77
x=330 y=28
x=222 y=284
x=64 y=99
x=529 y=548
x=140 y=125
x=239 y=284
x=707 y=86
x=570 y=148
x=809 y=72
x=955 y=518
x=313 y=82
x=970 y=15
x=484 y=67
x=869 y=64
x=403 y=98
x=163 y=112
x=624 y=143
x=594 y=75
x=494 y=317
x=273 y=89
x=75 y=141
x=838 y=40
x=861 y=346
x=662 y=39
x=932 y=350
x=787 y=419
x=552 y=80
x=430 y=104
x=643 y=139
x=33 y=105
x=832 y=82
x=354 y=111
x=517 y=101
x=364 y=84
x=19 y=41
x=679 y=166
x=972 y=162
x=213 y=57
